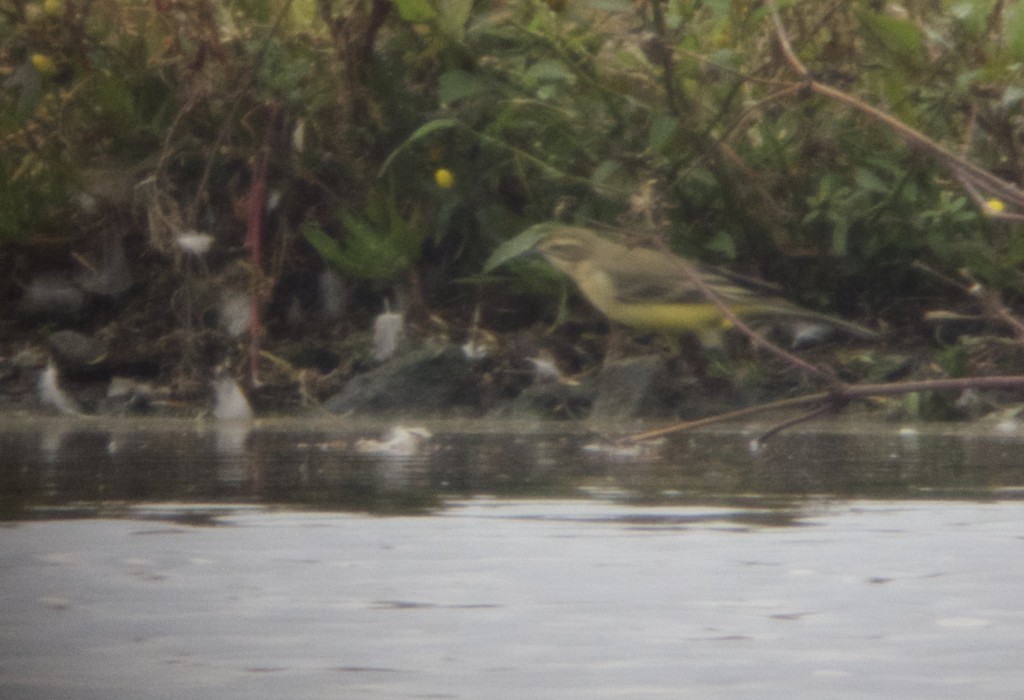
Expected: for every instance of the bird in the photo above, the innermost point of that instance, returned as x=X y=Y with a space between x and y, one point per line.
x=652 y=290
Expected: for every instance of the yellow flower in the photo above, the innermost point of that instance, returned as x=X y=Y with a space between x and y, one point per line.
x=995 y=206
x=43 y=63
x=53 y=8
x=444 y=178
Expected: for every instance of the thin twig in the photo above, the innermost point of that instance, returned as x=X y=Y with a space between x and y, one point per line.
x=243 y=91
x=829 y=407
x=672 y=97
x=694 y=276
x=963 y=169
x=842 y=394
x=971 y=176
x=725 y=417
x=984 y=204
x=787 y=49
x=991 y=305
x=994 y=307
x=942 y=277
x=959 y=166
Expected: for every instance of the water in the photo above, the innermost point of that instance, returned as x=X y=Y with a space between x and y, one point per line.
x=177 y=559
x=80 y=467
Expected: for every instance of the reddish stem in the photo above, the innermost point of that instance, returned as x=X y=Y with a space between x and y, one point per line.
x=254 y=243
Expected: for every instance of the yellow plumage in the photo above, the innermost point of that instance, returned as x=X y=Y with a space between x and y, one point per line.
x=651 y=290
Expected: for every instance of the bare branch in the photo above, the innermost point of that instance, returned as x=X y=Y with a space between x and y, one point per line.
x=803 y=418
x=787 y=48
x=837 y=398
x=991 y=305
x=972 y=176
x=694 y=275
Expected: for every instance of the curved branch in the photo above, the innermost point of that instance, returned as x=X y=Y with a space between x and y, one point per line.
x=836 y=399
x=970 y=175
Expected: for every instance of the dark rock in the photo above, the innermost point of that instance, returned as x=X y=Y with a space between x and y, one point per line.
x=550 y=400
x=75 y=350
x=127 y=395
x=635 y=387
x=420 y=383
x=110 y=275
x=52 y=296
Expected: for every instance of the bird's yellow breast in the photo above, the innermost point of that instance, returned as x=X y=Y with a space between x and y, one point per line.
x=667 y=317
x=598 y=287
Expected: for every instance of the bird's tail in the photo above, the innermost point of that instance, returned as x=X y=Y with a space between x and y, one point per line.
x=807 y=326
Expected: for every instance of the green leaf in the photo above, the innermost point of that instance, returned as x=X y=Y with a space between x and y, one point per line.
x=366 y=253
x=31 y=90
x=724 y=244
x=302 y=14
x=867 y=180
x=973 y=15
x=1012 y=95
x=622 y=6
x=899 y=38
x=453 y=17
x=840 y=236
x=518 y=245
x=663 y=129
x=454 y=85
x=1013 y=31
x=425 y=130
x=415 y=10
x=113 y=102
x=326 y=247
x=548 y=71
x=378 y=245
x=610 y=179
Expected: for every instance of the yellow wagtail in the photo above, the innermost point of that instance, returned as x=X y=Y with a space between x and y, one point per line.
x=650 y=290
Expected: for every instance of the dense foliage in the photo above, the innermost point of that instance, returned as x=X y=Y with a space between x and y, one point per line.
x=389 y=136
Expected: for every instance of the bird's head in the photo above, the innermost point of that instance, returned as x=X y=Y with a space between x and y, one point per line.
x=567 y=248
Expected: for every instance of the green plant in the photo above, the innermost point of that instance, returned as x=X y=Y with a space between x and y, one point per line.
x=378 y=245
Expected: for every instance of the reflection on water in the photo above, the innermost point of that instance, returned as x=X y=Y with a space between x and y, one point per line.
x=50 y=467
x=552 y=564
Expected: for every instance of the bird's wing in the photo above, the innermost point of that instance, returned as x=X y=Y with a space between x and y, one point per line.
x=664 y=280
x=668 y=283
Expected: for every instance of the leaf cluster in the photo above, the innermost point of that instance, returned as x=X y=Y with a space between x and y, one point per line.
x=664 y=117
x=683 y=120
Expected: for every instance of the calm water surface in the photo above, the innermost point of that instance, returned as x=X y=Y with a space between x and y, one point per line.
x=174 y=559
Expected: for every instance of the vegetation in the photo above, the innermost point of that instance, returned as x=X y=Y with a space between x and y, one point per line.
x=402 y=141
